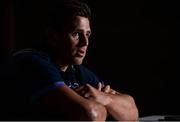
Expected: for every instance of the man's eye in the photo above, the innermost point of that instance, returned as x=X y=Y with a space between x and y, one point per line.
x=88 y=35
x=75 y=35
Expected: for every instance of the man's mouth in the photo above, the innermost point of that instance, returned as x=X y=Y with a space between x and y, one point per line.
x=80 y=53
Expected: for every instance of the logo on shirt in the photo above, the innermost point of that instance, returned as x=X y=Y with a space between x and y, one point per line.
x=73 y=85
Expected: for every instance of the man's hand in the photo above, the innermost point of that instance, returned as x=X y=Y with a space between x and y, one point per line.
x=91 y=93
x=106 y=89
x=120 y=106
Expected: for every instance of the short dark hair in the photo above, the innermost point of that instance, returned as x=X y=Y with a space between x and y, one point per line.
x=62 y=11
x=37 y=15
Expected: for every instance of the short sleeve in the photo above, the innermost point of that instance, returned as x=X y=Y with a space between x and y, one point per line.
x=36 y=73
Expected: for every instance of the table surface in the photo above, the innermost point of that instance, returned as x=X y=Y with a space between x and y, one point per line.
x=160 y=118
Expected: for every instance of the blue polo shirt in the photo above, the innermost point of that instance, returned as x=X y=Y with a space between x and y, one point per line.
x=39 y=73
x=36 y=73
x=32 y=74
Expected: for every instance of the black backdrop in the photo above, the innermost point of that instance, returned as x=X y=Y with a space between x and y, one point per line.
x=134 y=46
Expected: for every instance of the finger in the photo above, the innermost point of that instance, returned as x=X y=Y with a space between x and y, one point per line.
x=103 y=85
x=91 y=88
x=79 y=88
x=86 y=95
x=112 y=91
x=107 y=89
x=118 y=93
x=99 y=86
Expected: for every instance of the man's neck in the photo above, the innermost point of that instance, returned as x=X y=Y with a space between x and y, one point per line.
x=63 y=68
x=61 y=64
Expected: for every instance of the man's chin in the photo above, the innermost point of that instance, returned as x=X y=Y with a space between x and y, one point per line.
x=78 y=61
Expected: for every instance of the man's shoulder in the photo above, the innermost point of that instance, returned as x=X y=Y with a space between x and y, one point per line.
x=30 y=53
x=32 y=61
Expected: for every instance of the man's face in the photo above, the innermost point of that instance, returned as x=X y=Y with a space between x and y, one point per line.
x=75 y=40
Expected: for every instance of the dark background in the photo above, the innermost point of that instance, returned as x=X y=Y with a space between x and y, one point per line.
x=134 y=46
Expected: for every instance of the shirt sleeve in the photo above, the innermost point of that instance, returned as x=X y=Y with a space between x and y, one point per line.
x=36 y=74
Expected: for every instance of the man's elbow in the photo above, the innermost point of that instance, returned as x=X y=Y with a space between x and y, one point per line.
x=96 y=112
x=133 y=113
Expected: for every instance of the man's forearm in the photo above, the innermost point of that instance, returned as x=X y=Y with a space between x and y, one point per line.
x=119 y=106
x=57 y=100
x=122 y=107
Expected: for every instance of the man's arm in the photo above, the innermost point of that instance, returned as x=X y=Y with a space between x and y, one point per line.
x=122 y=107
x=119 y=106
x=128 y=109
x=65 y=100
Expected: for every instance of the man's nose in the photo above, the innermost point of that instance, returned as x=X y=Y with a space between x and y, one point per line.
x=84 y=41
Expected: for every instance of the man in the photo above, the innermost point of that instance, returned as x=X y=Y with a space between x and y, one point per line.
x=52 y=84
